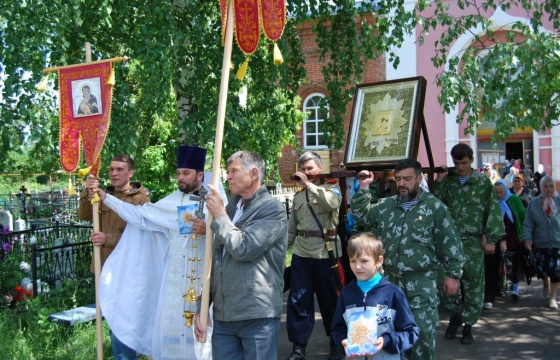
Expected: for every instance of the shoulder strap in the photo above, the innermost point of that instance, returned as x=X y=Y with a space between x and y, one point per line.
x=314 y=215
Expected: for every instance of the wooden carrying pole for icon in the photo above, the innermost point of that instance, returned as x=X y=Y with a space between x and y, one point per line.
x=222 y=101
x=96 y=258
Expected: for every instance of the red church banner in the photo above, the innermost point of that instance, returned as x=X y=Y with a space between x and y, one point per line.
x=273 y=14
x=85 y=109
x=249 y=16
x=247 y=29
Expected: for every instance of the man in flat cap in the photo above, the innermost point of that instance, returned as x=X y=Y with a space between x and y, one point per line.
x=155 y=274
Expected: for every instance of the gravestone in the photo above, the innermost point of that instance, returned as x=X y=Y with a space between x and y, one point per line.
x=19 y=225
x=6 y=219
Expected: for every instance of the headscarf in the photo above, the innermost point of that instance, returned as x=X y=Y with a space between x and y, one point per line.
x=511 y=175
x=548 y=202
x=503 y=203
x=493 y=173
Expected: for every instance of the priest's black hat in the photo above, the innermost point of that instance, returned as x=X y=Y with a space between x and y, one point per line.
x=191 y=157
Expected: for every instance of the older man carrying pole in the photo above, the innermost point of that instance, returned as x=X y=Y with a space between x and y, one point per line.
x=247 y=265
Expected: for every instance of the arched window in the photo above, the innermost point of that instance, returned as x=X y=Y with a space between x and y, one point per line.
x=316 y=108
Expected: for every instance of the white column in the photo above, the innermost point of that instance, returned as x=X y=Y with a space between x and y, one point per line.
x=555 y=143
x=536 y=150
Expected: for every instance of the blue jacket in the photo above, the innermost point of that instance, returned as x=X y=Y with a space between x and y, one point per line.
x=542 y=230
x=397 y=326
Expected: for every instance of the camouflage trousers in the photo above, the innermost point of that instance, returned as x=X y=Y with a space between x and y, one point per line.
x=472 y=284
x=420 y=289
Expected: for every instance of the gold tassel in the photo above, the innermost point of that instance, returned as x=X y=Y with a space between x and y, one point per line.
x=43 y=84
x=83 y=172
x=71 y=191
x=111 y=79
x=242 y=70
x=278 y=60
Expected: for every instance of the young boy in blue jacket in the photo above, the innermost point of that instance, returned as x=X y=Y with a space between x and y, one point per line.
x=396 y=329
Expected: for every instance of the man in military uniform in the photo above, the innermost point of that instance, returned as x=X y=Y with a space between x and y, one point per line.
x=311 y=270
x=419 y=238
x=474 y=206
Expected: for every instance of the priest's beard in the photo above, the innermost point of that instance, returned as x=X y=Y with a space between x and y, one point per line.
x=409 y=196
x=188 y=188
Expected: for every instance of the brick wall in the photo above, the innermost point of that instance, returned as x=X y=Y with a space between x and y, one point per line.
x=374 y=71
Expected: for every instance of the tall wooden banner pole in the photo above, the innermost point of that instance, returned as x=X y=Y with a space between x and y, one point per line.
x=205 y=302
x=96 y=258
x=97 y=265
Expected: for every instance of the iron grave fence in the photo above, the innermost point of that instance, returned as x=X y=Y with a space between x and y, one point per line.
x=57 y=253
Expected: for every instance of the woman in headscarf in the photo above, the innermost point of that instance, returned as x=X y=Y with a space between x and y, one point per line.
x=520 y=189
x=513 y=214
x=537 y=178
x=541 y=230
x=509 y=177
x=489 y=172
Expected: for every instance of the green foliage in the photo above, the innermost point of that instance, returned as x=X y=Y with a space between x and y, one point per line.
x=10 y=277
x=28 y=334
x=12 y=184
x=346 y=39
x=168 y=92
x=73 y=293
x=511 y=81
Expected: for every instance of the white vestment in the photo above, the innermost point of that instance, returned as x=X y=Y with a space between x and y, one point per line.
x=144 y=279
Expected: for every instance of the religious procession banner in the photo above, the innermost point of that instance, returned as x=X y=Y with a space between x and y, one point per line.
x=249 y=16
x=85 y=109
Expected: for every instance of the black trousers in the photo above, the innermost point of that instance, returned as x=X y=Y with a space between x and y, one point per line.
x=492 y=263
x=308 y=277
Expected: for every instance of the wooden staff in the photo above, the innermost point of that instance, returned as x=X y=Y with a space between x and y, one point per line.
x=96 y=257
x=97 y=267
x=205 y=302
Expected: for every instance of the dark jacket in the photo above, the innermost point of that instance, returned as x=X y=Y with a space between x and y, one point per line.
x=395 y=322
x=526 y=195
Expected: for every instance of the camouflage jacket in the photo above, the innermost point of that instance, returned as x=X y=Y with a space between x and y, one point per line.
x=421 y=239
x=474 y=206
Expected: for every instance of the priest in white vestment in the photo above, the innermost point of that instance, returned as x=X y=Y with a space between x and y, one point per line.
x=144 y=280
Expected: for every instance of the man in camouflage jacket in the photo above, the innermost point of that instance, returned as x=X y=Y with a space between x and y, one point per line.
x=419 y=238
x=473 y=204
